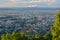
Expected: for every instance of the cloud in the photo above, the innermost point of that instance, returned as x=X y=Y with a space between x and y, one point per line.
x=24 y=2
x=14 y=1
x=51 y=1
x=31 y=6
x=27 y=3
x=33 y=1
x=6 y=5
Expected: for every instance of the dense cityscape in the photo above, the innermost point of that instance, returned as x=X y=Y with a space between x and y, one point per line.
x=35 y=21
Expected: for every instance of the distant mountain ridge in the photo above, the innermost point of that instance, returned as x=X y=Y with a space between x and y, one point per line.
x=28 y=8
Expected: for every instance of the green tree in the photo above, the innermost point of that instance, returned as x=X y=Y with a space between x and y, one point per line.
x=47 y=37
x=30 y=35
x=55 y=29
x=13 y=36
x=8 y=36
x=36 y=37
x=21 y=35
x=3 y=37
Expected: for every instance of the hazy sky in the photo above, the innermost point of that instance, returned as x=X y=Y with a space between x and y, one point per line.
x=30 y=3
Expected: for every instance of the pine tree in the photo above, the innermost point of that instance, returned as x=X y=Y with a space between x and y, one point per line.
x=55 y=29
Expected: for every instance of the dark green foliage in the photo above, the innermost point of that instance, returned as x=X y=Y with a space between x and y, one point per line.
x=48 y=37
x=21 y=36
x=55 y=29
x=3 y=37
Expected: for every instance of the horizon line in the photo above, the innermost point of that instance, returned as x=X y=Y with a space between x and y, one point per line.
x=28 y=8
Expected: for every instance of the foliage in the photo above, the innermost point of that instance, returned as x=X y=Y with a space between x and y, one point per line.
x=55 y=29
x=21 y=36
x=3 y=37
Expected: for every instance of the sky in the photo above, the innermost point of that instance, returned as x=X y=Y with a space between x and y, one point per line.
x=30 y=3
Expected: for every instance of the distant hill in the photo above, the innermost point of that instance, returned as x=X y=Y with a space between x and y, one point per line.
x=28 y=8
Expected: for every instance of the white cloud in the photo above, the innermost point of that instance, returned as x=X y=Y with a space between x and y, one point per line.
x=51 y=1
x=23 y=2
x=30 y=3
x=31 y=6
x=14 y=0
